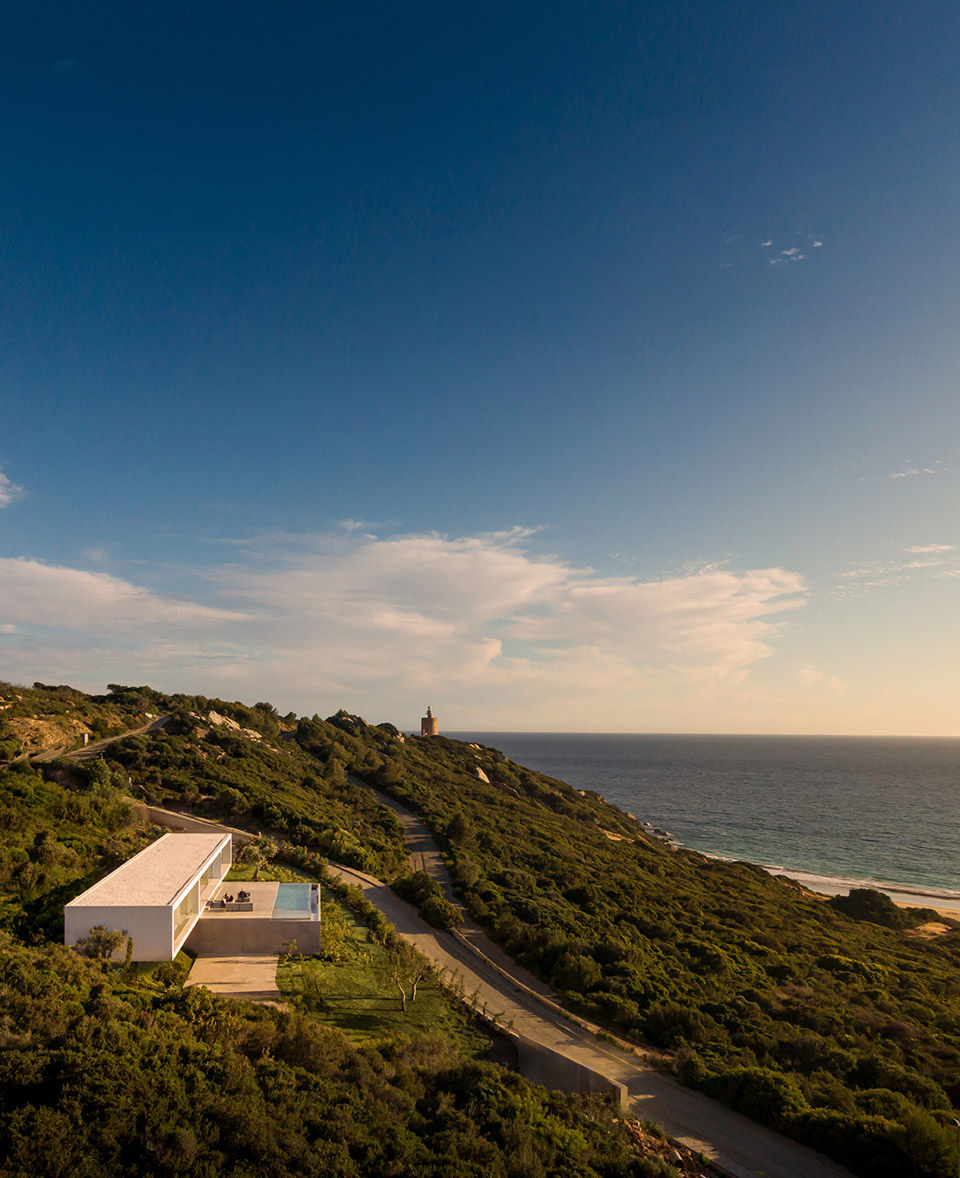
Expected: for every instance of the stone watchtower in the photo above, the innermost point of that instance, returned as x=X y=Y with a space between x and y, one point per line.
x=429 y=725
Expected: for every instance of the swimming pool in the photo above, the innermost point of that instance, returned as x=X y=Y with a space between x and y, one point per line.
x=295 y=901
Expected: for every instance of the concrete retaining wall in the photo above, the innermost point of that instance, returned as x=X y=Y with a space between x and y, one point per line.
x=545 y=1066
x=175 y=821
x=223 y=937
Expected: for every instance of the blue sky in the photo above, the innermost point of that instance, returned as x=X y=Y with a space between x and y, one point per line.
x=563 y=366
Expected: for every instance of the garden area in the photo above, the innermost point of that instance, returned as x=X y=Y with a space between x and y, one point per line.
x=353 y=987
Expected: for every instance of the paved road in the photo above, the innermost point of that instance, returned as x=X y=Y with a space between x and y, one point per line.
x=96 y=748
x=425 y=856
x=740 y=1146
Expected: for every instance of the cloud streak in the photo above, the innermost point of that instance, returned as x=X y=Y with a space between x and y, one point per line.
x=38 y=594
x=884 y=574
x=482 y=621
x=9 y=492
x=793 y=253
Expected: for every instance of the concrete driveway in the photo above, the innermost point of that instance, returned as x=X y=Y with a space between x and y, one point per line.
x=252 y=978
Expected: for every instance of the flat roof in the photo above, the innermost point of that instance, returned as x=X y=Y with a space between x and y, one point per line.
x=156 y=875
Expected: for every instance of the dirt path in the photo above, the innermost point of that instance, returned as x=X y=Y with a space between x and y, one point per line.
x=95 y=749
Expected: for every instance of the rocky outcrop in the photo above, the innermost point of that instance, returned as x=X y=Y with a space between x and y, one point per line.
x=226 y=722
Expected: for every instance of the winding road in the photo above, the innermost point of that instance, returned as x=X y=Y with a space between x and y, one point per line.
x=84 y=752
x=737 y=1145
x=732 y=1142
x=500 y=988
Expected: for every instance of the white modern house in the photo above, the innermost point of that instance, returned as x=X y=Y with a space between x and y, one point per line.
x=157 y=897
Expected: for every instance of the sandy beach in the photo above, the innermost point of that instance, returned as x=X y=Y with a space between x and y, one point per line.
x=942 y=903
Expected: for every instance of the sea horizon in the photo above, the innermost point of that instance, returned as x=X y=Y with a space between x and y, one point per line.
x=464 y=735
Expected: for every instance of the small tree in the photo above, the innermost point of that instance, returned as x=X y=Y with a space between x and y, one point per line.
x=129 y=969
x=259 y=852
x=100 y=942
x=334 y=932
x=407 y=968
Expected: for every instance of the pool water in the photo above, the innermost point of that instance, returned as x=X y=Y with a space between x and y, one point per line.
x=293 y=902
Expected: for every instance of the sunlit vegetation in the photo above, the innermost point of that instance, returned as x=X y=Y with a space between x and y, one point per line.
x=102 y=1075
x=115 y=1068
x=60 y=830
x=48 y=716
x=299 y=795
x=353 y=986
x=833 y=1022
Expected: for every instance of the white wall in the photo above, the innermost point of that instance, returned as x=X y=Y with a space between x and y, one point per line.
x=151 y=928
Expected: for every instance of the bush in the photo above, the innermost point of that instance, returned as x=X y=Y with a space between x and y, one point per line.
x=876 y=1147
x=869 y=905
x=100 y=942
x=691 y=1070
x=171 y=973
x=439 y=912
x=759 y=1093
x=655 y=1168
x=668 y=1024
x=427 y=894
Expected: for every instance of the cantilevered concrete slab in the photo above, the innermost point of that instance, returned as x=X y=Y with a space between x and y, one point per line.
x=156 y=897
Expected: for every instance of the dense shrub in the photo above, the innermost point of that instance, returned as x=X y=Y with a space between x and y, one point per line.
x=427 y=894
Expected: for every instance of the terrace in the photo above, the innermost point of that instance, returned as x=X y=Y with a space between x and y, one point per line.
x=274 y=914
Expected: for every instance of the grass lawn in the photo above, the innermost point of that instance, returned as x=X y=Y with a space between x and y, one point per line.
x=271 y=873
x=357 y=995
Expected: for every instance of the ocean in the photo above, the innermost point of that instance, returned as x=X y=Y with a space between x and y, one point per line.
x=836 y=812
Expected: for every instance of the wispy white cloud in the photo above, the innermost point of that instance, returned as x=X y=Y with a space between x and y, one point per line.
x=346 y=618
x=884 y=574
x=793 y=253
x=9 y=492
x=33 y=593
x=911 y=471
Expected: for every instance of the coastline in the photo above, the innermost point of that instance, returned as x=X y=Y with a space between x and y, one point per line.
x=946 y=903
x=834 y=804
x=941 y=900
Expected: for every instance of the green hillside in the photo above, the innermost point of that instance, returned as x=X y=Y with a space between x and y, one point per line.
x=836 y=1023
x=120 y=1071
x=832 y=1028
